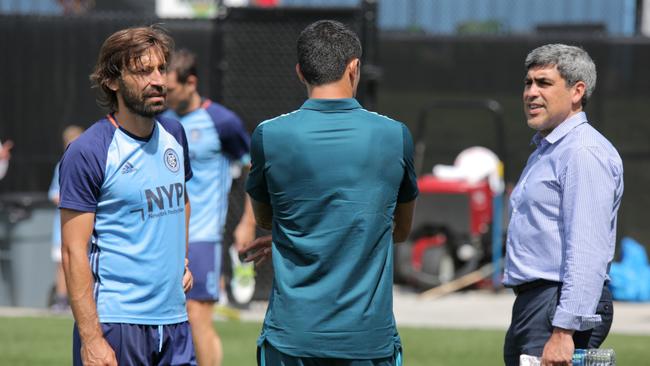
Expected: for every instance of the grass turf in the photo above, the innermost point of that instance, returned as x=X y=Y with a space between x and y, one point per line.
x=47 y=341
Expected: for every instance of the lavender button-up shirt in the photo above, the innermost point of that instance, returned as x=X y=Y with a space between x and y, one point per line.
x=563 y=223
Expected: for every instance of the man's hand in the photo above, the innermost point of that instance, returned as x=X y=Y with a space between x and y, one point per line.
x=188 y=280
x=258 y=250
x=98 y=353
x=558 y=350
x=5 y=150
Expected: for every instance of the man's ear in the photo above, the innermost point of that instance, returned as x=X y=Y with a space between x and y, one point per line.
x=192 y=81
x=355 y=66
x=113 y=85
x=299 y=73
x=354 y=70
x=579 y=90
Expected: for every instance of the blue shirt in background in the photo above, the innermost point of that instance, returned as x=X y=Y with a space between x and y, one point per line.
x=136 y=188
x=563 y=223
x=52 y=193
x=216 y=138
x=333 y=174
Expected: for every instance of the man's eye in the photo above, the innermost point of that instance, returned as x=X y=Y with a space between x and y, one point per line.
x=143 y=71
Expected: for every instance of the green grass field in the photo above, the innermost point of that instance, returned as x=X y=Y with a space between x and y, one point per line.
x=47 y=341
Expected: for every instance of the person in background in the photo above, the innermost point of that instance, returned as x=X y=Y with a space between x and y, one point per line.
x=60 y=300
x=217 y=140
x=5 y=155
x=562 y=231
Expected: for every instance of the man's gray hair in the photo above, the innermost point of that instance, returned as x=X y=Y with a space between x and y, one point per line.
x=573 y=63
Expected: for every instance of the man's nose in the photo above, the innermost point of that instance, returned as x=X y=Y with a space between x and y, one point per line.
x=531 y=91
x=157 y=77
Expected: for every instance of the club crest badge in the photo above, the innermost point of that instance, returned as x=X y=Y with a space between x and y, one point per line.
x=171 y=160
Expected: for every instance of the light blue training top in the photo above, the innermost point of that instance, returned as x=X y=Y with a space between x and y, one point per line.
x=136 y=188
x=216 y=139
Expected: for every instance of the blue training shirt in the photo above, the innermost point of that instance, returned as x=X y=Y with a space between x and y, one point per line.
x=563 y=222
x=333 y=174
x=216 y=139
x=135 y=187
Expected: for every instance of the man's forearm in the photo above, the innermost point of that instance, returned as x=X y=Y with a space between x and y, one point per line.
x=402 y=220
x=248 y=217
x=76 y=229
x=79 y=281
x=263 y=214
x=244 y=232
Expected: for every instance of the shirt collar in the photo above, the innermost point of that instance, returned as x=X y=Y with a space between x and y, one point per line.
x=561 y=130
x=331 y=104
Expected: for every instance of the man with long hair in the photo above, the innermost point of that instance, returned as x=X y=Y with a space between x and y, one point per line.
x=123 y=194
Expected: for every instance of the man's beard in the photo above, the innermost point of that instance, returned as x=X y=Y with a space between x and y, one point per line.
x=138 y=104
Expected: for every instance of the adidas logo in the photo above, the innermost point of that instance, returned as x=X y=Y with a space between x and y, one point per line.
x=128 y=168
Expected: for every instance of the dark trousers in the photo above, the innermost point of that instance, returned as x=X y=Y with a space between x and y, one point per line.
x=135 y=345
x=267 y=355
x=532 y=315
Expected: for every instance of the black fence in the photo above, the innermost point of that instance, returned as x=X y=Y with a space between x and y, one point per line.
x=256 y=53
x=247 y=59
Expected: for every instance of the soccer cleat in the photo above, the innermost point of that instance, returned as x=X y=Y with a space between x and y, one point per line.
x=242 y=284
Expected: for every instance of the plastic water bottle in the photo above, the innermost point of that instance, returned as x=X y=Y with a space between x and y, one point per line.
x=600 y=357
x=581 y=357
x=528 y=360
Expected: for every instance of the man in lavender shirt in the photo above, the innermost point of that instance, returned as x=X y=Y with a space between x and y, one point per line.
x=562 y=231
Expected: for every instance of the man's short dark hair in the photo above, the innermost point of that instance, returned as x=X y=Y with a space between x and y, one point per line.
x=183 y=63
x=324 y=50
